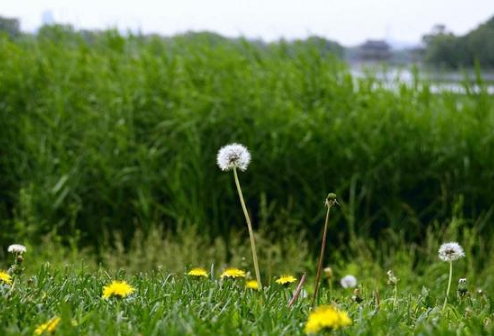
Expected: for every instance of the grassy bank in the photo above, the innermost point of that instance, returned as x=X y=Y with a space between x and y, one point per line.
x=167 y=300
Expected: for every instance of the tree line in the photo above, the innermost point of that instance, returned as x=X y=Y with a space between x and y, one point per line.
x=444 y=49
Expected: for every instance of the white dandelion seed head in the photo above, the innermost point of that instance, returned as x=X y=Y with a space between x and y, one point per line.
x=451 y=251
x=348 y=281
x=16 y=248
x=233 y=156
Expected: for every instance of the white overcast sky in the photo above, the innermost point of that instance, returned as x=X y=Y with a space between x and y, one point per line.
x=347 y=21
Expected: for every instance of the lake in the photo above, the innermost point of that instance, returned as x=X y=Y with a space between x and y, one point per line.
x=438 y=81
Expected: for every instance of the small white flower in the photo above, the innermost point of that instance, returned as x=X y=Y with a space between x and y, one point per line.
x=349 y=281
x=451 y=251
x=16 y=248
x=303 y=293
x=392 y=279
x=233 y=156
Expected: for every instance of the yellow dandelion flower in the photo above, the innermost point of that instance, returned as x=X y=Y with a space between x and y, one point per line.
x=48 y=327
x=5 y=277
x=198 y=273
x=233 y=273
x=119 y=289
x=286 y=280
x=326 y=317
x=252 y=284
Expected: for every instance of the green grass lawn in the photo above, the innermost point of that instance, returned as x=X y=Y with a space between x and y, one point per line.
x=176 y=304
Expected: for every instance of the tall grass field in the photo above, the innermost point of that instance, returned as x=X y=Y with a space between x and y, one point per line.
x=108 y=172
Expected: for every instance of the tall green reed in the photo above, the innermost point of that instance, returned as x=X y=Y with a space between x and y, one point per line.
x=117 y=133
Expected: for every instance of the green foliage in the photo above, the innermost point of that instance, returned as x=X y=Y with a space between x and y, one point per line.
x=448 y=50
x=444 y=50
x=317 y=44
x=110 y=134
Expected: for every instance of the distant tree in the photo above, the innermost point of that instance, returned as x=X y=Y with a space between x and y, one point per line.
x=445 y=49
x=325 y=46
x=480 y=44
x=210 y=38
x=11 y=26
x=441 y=48
x=321 y=44
x=89 y=36
x=56 y=32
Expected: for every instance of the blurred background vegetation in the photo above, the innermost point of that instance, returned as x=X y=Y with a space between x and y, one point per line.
x=445 y=49
x=106 y=137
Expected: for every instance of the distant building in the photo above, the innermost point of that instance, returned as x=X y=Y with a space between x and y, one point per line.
x=47 y=18
x=375 y=50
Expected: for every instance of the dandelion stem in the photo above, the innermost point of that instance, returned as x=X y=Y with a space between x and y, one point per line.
x=330 y=285
x=329 y=204
x=297 y=291
x=395 y=296
x=449 y=284
x=249 y=226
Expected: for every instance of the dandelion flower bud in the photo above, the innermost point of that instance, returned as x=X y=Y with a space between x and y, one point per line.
x=16 y=248
x=348 y=281
x=356 y=296
x=462 y=287
x=233 y=156
x=451 y=251
x=328 y=273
